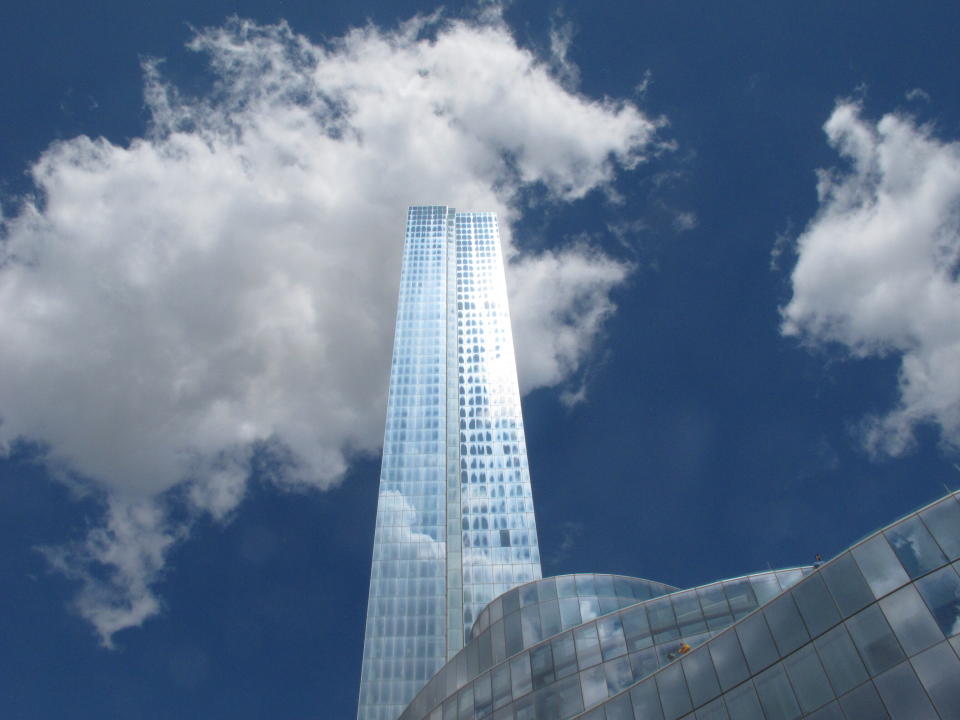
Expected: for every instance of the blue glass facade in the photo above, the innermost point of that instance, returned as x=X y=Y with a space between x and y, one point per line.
x=873 y=633
x=455 y=525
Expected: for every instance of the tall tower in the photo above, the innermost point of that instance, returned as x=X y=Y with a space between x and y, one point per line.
x=455 y=524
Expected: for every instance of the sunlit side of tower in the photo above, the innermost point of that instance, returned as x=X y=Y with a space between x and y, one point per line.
x=455 y=524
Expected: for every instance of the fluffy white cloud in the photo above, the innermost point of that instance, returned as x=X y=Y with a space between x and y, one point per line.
x=877 y=268
x=227 y=283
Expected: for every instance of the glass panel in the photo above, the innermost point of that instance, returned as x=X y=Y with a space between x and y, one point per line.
x=816 y=606
x=786 y=625
x=550 y=618
x=529 y=595
x=569 y=612
x=604 y=585
x=541 y=666
x=483 y=696
x=846 y=584
x=644 y=662
x=511 y=602
x=864 y=703
x=501 y=686
x=728 y=660
x=586 y=587
x=943 y=520
x=561 y=700
x=872 y=635
x=714 y=711
x=520 y=675
x=765 y=587
x=566 y=586
x=530 y=618
x=701 y=678
x=588 y=646
x=941 y=592
x=636 y=628
x=903 y=695
x=619 y=709
x=915 y=547
x=757 y=643
x=808 y=679
x=939 y=670
x=743 y=704
x=619 y=675
x=612 y=643
x=716 y=610
x=775 y=694
x=740 y=596
x=589 y=608
x=840 y=659
x=689 y=616
x=880 y=566
x=548 y=590
x=646 y=702
x=564 y=655
x=673 y=692
x=513 y=633
x=912 y=623
x=830 y=712
x=465 y=701
x=663 y=624
x=593 y=683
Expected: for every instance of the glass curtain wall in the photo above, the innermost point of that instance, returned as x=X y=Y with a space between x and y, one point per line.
x=455 y=524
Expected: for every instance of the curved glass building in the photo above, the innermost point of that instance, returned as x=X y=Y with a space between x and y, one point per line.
x=460 y=624
x=873 y=633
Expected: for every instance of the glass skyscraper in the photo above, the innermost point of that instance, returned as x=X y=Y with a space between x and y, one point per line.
x=455 y=525
x=461 y=626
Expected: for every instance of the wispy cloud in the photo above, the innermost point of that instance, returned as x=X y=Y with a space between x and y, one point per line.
x=225 y=285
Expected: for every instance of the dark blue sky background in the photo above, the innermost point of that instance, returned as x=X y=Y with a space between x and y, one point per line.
x=709 y=446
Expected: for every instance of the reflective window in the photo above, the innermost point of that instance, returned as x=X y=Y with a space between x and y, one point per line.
x=841 y=660
x=903 y=695
x=588 y=646
x=915 y=547
x=808 y=679
x=743 y=704
x=619 y=709
x=716 y=710
x=765 y=587
x=816 y=606
x=846 y=584
x=564 y=656
x=716 y=610
x=943 y=520
x=636 y=628
x=864 y=703
x=561 y=700
x=740 y=596
x=644 y=662
x=701 y=677
x=912 y=623
x=872 y=635
x=941 y=593
x=673 y=692
x=520 y=675
x=593 y=683
x=776 y=695
x=612 y=643
x=880 y=566
x=541 y=666
x=829 y=712
x=938 y=670
x=784 y=620
x=728 y=660
x=662 y=622
x=569 y=612
x=619 y=675
x=501 y=685
x=757 y=643
x=646 y=702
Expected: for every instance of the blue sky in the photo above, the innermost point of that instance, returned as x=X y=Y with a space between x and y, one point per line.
x=735 y=244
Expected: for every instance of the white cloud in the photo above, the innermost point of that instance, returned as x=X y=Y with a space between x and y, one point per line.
x=228 y=282
x=877 y=268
